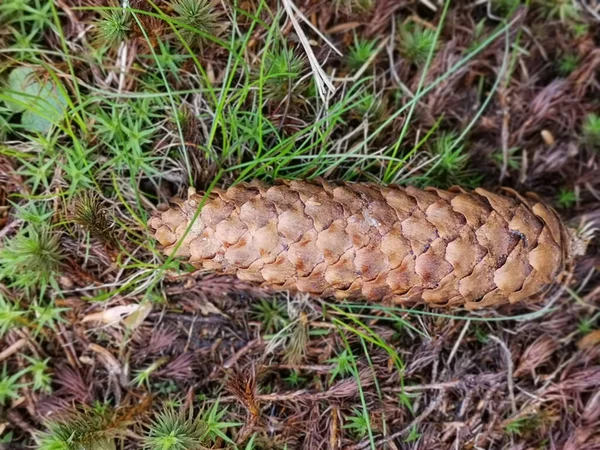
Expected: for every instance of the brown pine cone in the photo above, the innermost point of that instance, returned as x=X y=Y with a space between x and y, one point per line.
x=392 y=244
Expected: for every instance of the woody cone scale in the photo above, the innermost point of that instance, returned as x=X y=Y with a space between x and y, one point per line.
x=381 y=244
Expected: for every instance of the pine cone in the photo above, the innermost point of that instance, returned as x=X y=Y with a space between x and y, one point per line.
x=391 y=244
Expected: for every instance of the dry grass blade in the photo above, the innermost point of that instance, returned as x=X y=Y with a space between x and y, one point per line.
x=325 y=87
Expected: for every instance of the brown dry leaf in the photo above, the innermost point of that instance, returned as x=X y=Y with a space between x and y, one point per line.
x=589 y=340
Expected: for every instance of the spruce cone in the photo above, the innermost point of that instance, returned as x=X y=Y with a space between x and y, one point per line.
x=392 y=244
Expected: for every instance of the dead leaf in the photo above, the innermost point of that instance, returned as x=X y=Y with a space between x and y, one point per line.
x=207 y=308
x=343 y=27
x=112 y=316
x=136 y=318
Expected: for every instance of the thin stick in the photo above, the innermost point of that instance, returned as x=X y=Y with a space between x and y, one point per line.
x=458 y=341
x=426 y=387
x=14 y=348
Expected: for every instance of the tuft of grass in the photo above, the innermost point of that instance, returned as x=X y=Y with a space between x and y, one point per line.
x=89 y=212
x=113 y=27
x=566 y=11
x=9 y=315
x=31 y=259
x=143 y=376
x=566 y=198
x=416 y=42
x=282 y=69
x=481 y=334
x=523 y=425
x=342 y=365
x=37 y=172
x=591 y=130
x=587 y=324
x=215 y=424
x=23 y=24
x=127 y=132
x=272 y=314
x=38 y=369
x=357 y=424
x=579 y=30
x=505 y=7
x=451 y=162
x=294 y=379
x=86 y=429
x=174 y=430
x=369 y=105
x=34 y=213
x=360 y=52
x=568 y=63
x=9 y=386
x=413 y=434
x=47 y=316
x=199 y=17
x=405 y=400
x=513 y=161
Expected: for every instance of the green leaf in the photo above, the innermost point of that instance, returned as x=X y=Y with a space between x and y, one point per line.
x=32 y=121
x=37 y=97
x=18 y=82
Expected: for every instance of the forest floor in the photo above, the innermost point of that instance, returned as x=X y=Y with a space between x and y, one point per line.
x=107 y=110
